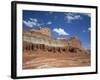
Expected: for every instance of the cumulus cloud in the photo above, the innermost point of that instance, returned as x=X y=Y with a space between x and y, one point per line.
x=49 y=22
x=60 y=31
x=31 y=22
x=89 y=29
x=84 y=31
x=61 y=38
x=33 y=19
x=71 y=16
x=87 y=14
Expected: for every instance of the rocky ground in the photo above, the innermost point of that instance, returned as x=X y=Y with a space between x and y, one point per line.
x=44 y=59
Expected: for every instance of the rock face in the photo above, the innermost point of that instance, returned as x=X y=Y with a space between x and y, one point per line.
x=75 y=42
x=45 y=31
x=43 y=51
x=35 y=39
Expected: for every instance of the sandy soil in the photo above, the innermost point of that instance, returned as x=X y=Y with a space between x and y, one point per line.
x=41 y=59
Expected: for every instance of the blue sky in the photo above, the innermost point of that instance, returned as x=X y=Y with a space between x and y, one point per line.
x=62 y=24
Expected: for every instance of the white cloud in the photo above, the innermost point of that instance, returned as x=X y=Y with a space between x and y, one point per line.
x=84 y=31
x=32 y=22
x=60 y=31
x=49 y=22
x=28 y=23
x=33 y=19
x=87 y=14
x=89 y=29
x=71 y=16
x=61 y=38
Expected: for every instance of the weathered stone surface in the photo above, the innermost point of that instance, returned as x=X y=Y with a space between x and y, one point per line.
x=43 y=51
x=75 y=42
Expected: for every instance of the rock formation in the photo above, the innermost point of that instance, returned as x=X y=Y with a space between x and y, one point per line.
x=40 y=48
